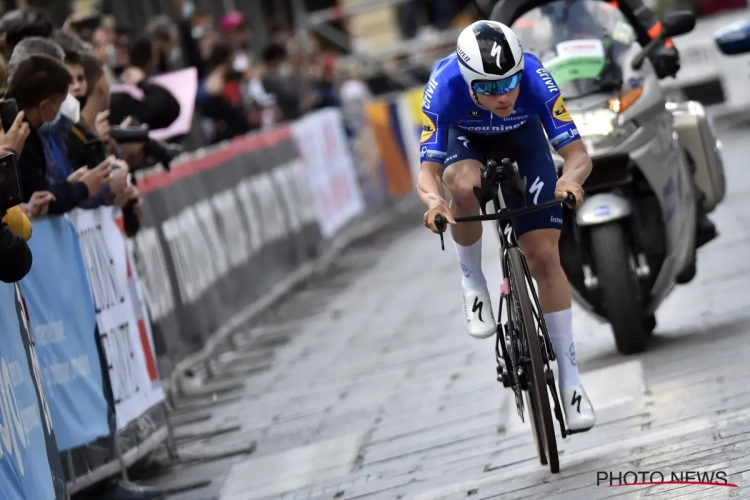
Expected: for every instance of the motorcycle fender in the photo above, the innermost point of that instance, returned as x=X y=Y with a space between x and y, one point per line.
x=602 y=208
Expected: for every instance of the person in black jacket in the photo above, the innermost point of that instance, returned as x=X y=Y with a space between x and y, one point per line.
x=40 y=85
x=15 y=256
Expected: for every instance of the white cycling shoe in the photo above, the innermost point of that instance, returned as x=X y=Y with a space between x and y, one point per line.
x=480 y=320
x=579 y=413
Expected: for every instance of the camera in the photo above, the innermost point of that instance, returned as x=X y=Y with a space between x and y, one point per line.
x=160 y=152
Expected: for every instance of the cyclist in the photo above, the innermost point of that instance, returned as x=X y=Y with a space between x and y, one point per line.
x=489 y=99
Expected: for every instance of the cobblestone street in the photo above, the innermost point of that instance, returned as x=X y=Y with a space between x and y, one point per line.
x=367 y=385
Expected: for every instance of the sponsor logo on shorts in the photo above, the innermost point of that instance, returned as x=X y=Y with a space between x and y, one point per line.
x=556 y=220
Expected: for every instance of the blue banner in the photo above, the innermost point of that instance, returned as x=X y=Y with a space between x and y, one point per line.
x=24 y=467
x=63 y=322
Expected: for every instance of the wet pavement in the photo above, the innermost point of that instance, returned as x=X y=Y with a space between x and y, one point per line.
x=364 y=384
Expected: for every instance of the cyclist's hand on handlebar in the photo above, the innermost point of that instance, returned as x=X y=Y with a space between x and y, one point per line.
x=439 y=208
x=565 y=187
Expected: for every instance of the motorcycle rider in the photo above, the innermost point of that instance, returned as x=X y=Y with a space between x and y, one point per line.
x=666 y=62
x=490 y=99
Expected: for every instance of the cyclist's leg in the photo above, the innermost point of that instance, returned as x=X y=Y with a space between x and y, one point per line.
x=460 y=176
x=538 y=235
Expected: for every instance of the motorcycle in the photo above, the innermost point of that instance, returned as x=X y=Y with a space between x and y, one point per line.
x=634 y=238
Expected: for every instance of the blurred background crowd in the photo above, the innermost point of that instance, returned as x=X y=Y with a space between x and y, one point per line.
x=261 y=62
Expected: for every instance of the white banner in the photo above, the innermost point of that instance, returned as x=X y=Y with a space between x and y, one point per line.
x=120 y=315
x=329 y=169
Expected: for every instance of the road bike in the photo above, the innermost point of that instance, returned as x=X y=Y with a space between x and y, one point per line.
x=522 y=343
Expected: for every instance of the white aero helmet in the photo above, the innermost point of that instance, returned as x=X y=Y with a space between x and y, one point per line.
x=490 y=57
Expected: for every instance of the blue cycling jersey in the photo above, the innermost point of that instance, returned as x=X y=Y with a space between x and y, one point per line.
x=447 y=102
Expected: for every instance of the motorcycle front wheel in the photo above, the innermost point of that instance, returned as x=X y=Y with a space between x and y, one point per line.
x=619 y=287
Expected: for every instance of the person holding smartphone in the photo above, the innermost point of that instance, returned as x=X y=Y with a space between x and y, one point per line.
x=39 y=85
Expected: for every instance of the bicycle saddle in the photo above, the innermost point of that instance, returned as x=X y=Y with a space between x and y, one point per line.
x=504 y=174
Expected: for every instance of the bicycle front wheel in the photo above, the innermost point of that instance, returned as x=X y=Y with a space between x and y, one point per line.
x=540 y=411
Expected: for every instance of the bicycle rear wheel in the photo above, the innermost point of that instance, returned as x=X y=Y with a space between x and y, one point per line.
x=540 y=411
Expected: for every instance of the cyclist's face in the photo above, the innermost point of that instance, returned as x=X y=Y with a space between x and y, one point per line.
x=500 y=105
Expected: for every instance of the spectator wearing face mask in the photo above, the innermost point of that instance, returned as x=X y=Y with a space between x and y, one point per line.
x=39 y=84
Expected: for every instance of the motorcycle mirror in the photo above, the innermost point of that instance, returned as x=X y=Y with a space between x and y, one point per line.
x=734 y=39
x=677 y=23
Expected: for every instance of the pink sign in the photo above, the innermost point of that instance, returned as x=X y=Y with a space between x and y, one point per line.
x=183 y=85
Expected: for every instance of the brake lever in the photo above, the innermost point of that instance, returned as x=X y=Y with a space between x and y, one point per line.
x=440 y=224
x=570 y=202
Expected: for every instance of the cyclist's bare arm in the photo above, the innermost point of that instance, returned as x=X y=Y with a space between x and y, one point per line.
x=577 y=166
x=430 y=189
x=430 y=183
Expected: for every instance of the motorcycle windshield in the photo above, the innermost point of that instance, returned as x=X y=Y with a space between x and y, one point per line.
x=582 y=43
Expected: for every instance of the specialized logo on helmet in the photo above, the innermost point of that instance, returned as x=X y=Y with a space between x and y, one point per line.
x=462 y=54
x=497 y=52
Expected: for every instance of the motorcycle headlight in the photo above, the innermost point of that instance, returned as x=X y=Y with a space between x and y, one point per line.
x=595 y=123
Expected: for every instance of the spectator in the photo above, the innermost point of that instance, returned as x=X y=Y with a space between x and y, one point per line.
x=23 y=23
x=278 y=78
x=79 y=87
x=158 y=108
x=166 y=43
x=15 y=255
x=33 y=45
x=219 y=96
x=39 y=84
x=234 y=26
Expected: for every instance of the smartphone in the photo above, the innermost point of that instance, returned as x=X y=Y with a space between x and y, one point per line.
x=10 y=184
x=95 y=152
x=8 y=113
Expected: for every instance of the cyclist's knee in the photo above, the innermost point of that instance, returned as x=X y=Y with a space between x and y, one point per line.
x=541 y=251
x=460 y=178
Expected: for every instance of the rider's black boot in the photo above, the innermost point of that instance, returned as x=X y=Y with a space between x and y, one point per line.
x=705 y=229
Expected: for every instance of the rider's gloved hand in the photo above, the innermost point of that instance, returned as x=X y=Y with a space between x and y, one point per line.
x=564 y=187
x=438 y=208
x=666 y=61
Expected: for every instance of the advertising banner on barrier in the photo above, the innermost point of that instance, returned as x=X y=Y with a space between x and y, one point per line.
x=386 y=126
x=329 y=169
x=50 y=440
x=61 y=313
x=365 y=155
x=105 y=259
x=24 y=466
x=218 y=232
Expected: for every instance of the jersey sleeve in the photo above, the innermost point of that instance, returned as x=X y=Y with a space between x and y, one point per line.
x=559 y=125
x=433 y=145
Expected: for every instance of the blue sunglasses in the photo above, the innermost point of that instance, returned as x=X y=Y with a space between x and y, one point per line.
x=497 y=87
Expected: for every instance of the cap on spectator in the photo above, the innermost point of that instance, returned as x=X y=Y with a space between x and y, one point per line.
x=231 y=21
